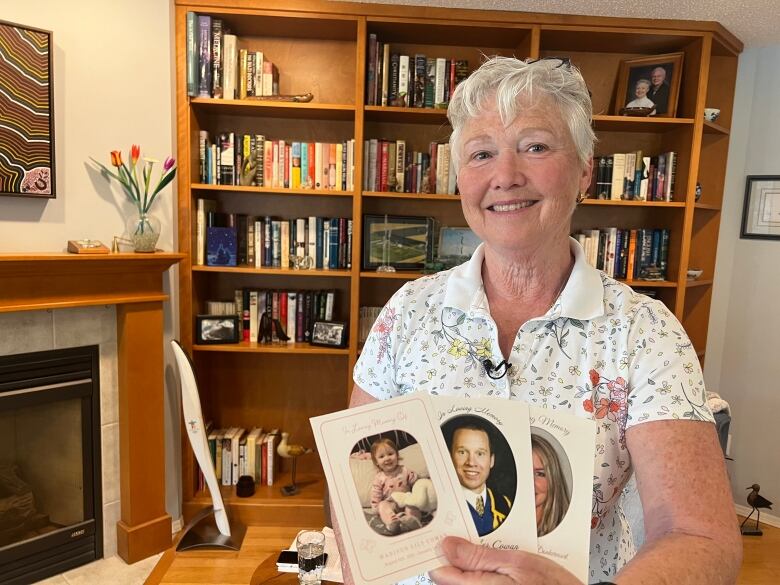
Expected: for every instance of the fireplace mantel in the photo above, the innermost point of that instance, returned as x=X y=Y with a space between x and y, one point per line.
x=134 y=283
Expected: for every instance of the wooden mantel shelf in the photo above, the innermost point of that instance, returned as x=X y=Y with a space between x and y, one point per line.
x=134 y=283
x=36 y=281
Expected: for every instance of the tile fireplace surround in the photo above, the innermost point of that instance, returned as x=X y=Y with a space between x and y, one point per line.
x=51 y=301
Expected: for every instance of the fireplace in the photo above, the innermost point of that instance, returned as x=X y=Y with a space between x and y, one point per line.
x=50 y=464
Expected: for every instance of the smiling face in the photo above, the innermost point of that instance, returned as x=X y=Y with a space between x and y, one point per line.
x=386 y=458
x=472 y=458
x=540 y=485
x=519 y=184
x=658 y=76
x=641 y=89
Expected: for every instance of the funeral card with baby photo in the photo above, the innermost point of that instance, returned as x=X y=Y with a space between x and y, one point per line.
x=393 y=488
x=489 y=442
x=563 y=448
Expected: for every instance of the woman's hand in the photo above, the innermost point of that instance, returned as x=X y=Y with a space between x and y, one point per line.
x=475 y=564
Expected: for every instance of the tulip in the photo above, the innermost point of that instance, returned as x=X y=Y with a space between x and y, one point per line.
x=168 y=164
x=116 y=158
x=135 y=152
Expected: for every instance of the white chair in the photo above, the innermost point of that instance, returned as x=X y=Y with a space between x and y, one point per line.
x=202 y=532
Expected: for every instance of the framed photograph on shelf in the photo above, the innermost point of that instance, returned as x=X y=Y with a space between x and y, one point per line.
x=213 y=329
x=399 y=241
x=649 y=86
x=27 y=131
x=761 y=211
x=329 y=333
x=457 y=242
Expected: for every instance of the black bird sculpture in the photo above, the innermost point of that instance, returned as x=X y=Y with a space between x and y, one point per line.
x=756 y=501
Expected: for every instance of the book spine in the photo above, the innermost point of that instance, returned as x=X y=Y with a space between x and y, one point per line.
x=291 y=316
x=204 y=55
x=402 y=97
x=371 y=73
x=333 y=244
x=216 y=57
x=229 y=67
x=193 y=82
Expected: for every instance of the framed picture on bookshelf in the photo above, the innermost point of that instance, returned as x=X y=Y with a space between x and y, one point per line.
x=457 y=242
x=761 y=211
x=329 y=333
x=213 y=329
x=402 y=242
x=649 y=82
x=27 y=132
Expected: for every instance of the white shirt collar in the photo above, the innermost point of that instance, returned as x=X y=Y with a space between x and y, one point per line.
x=581 y=298
x=471 y=497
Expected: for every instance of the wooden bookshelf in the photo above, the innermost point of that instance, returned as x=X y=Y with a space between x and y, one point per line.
x=321 y=46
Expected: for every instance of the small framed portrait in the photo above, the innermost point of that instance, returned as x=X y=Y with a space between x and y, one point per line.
x=649 y=86
x=212 y=329
x=329 y=333
x=761 y=211
x=457 y=242
x=402 y=242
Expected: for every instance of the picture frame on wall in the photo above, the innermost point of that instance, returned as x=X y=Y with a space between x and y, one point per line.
x=649 y=86
x=27 y=102
x=403 y=242
x=761 y=209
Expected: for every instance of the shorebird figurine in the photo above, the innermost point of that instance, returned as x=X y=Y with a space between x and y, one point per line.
x=756 y=501
x=290 y=451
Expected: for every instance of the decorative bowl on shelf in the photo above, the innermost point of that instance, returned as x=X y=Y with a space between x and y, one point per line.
x=711 y=114
x=694 y=273
x=637 y=112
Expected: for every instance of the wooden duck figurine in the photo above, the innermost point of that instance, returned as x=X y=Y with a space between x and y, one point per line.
x=291 y=451
x=756 y=501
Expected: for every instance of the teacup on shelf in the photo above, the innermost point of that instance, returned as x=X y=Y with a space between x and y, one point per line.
x=711 y=114
x=694 y=273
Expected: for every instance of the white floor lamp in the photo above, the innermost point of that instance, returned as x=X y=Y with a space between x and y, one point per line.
x=202 y=531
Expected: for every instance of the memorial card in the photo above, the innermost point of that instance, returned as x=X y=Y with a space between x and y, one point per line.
x=489 y=442
x=562 y=450
x=393 y=488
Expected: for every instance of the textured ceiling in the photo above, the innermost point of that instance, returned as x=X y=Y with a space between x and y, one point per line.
x=754 y=22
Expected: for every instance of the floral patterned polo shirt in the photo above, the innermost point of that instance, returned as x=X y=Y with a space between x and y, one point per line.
x=602 y=351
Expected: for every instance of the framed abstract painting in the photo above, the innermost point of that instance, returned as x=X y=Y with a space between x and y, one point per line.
x=26 y=112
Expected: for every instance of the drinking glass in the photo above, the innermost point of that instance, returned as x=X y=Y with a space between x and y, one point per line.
x=311 y=556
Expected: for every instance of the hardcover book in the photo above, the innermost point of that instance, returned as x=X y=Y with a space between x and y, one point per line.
x=221 y=246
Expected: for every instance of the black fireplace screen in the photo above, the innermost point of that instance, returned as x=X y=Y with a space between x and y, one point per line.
x=50 y=497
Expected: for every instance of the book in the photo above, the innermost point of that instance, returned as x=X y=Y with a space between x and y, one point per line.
x=203 y=208
x=204 y=55
x=192 y=54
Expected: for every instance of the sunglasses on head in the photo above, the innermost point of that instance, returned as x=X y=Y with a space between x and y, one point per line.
x=562 y=61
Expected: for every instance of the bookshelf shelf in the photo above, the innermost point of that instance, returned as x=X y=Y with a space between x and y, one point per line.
x=698 y=282
x=397 y=275
x=272 y=190
x=324 y=47
x=630 y=203
x=604 y=123
x=713 y=128
x=415 y=196
x=706 y=207
x=287 y=272
x=406 y=115
x=283 y=348
x=275 y=109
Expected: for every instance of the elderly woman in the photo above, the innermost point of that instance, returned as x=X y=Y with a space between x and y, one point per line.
x=551 y=494
x=527 y=318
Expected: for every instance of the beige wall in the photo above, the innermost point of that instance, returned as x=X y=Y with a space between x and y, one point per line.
x=113 y=86
x=744 y=336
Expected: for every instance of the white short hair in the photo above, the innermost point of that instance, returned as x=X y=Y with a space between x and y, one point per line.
x=505 y=79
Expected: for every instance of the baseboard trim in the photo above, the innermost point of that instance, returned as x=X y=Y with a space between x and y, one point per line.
x=767 y=519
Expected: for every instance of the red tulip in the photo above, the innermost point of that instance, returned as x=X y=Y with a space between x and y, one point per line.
x=116 y=158
x=135 y=152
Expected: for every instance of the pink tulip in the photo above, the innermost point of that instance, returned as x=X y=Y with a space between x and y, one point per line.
x=168 y=164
